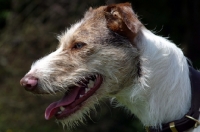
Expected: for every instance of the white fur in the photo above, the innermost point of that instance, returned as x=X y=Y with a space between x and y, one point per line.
x=166 y=95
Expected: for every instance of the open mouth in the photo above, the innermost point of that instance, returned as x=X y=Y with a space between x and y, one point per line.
x=73 y=99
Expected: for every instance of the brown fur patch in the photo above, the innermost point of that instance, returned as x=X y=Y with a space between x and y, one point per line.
x=122 y=19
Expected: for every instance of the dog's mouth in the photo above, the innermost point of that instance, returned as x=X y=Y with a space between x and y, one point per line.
x=73 y=99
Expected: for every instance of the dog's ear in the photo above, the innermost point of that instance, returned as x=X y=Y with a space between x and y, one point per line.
x=121 y=19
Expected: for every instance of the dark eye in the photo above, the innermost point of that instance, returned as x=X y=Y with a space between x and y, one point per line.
x=78 y=45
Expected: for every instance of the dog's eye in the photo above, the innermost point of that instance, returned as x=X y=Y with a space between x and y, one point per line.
x=78 y=45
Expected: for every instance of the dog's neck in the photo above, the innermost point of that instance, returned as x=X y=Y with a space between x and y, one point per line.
x=162 y=93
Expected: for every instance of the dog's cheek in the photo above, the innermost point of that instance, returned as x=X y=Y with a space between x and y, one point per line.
x=120 y=65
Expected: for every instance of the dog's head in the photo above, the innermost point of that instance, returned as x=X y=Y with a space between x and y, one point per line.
x=96 y=58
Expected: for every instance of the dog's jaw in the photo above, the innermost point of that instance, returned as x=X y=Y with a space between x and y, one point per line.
x=72 y=100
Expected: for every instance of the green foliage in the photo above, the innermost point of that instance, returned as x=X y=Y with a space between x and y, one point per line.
x=4 y=12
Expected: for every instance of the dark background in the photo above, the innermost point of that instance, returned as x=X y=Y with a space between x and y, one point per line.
x=28 y=30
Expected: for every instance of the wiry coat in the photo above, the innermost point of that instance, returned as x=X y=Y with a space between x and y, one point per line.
x=144 y=73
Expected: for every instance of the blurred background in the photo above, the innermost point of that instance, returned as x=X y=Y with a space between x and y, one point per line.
x=28 y=30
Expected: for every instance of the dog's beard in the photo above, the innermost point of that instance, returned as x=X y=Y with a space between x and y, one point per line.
x=80 y=116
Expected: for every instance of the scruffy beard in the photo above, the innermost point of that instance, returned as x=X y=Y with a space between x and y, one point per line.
x=80 y=116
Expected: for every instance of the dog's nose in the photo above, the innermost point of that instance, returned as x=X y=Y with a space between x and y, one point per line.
x=29 y=82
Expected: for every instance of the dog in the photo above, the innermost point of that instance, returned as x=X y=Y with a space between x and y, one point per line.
x=110 y=54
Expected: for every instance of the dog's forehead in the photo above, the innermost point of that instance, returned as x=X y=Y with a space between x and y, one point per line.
x=67 y=35
x=93 y=19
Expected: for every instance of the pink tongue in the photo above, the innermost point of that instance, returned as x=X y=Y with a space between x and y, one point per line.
x=53 y=108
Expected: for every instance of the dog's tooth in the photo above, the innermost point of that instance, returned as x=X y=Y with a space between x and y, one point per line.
x=90 y=84
x=85 y=80
x=62 y=108
x=86 y=90
x=80 y=96
x=59 y=112
x=82 y=83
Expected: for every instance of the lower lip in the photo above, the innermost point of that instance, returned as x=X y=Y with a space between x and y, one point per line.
x=67 y=112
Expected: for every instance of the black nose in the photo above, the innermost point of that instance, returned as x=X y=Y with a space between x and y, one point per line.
x=29 y=82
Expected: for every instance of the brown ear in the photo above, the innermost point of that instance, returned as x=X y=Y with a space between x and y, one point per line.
x=121 y=19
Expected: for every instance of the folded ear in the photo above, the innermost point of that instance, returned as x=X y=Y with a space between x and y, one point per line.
x=122 y=20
